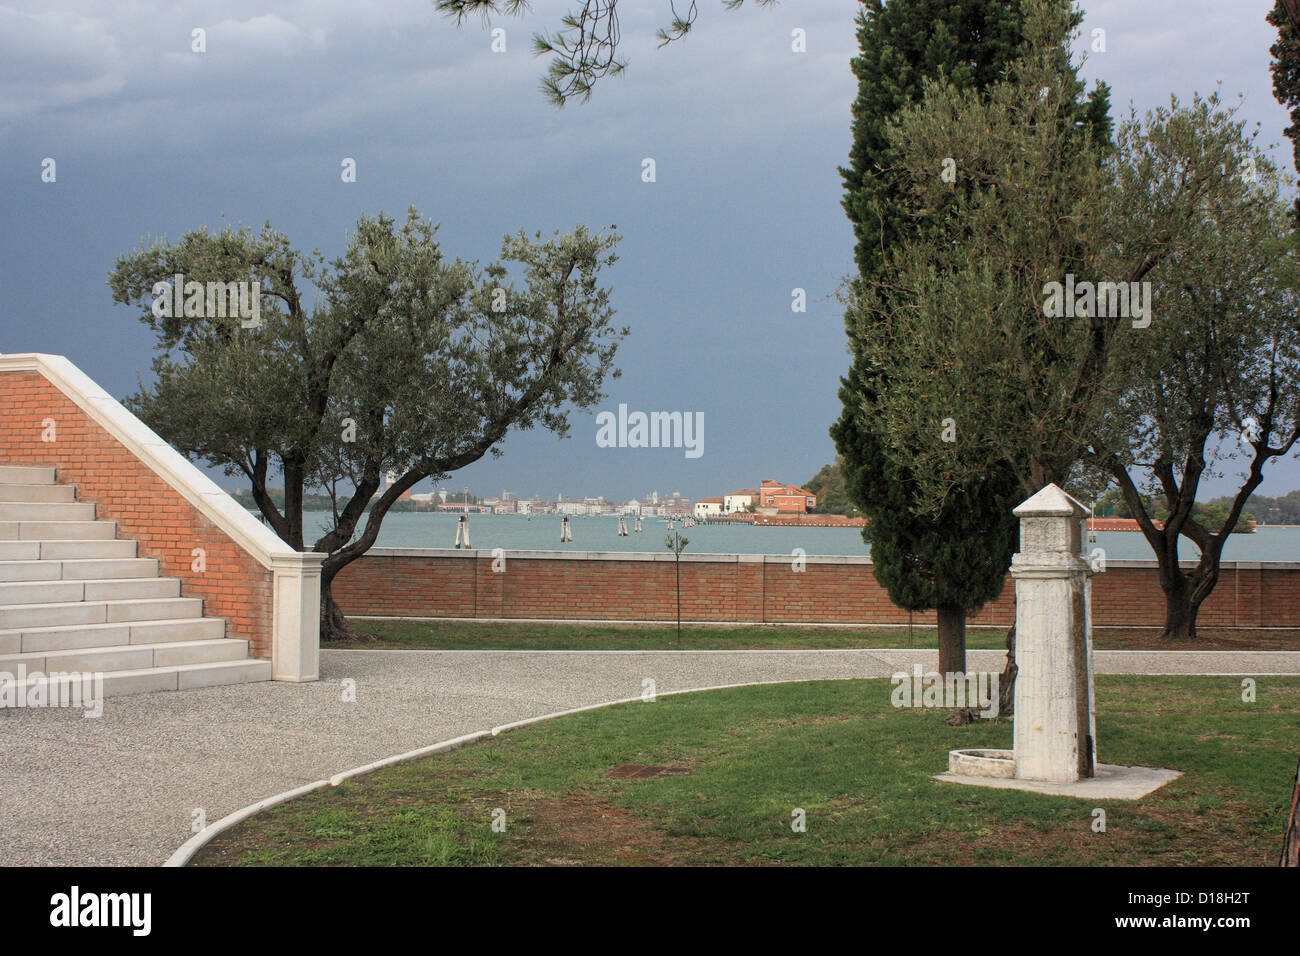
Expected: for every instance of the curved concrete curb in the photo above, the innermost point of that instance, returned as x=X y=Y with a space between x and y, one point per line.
x=190 y=847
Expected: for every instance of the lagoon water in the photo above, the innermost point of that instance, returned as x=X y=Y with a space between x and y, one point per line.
x=542 y=533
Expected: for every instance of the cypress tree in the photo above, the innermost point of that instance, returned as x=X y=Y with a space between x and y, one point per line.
x=953 y=561
x=1285 y=16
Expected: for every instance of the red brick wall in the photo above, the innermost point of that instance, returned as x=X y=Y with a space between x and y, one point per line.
x=146 y=508
x=434 y=585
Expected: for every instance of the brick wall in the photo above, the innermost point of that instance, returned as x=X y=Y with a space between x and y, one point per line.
x=410 y=583
x=146 y=508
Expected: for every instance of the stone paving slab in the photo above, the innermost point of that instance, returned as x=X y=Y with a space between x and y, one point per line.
x=122 y=789
x=1110 y=783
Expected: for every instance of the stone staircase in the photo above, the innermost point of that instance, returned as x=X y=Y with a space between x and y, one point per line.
x=74 y=598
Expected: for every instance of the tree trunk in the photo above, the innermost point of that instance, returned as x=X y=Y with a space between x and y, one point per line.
x=333 y=625
x=1180 y=609
x=293 y=483
x=1005 y=691
x=1291 y=839
x=952 y=640
x=1007 y=680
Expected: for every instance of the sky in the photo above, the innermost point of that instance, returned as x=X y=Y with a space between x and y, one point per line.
x=151 y=139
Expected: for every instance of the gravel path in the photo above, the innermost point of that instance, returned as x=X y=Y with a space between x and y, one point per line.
x=123 y=788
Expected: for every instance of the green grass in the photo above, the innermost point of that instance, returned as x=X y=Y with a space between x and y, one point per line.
x=859 y=769
x=533 y=636
x=547 y=636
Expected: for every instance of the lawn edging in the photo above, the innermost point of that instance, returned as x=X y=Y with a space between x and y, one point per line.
x=186 y=851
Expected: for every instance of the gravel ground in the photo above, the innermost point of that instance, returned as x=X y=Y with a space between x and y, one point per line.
x=123 y=789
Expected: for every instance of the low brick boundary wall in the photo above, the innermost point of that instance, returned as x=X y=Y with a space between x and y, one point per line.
x=615 y=586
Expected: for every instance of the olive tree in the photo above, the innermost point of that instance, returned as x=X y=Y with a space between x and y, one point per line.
x=1212 y=386
x=407 y=362
x=1033 y=329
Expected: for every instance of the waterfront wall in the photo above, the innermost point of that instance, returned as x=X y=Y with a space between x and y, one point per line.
x=616 y=586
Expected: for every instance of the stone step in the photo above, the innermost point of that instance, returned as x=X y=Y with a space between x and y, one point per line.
x=247 y=671
x=182 y=653
x=76 y=600
x=81 y=549
x=20 y=550
x=18 y=616
x=180 y=629
x=124 y=657
x=42 y=592
x=26 y=475
x=16 y=492
x=132 y=589
x=82 y=570
x=34 y=570
x=154 y=609
x=57 y=530
x=47 y=511
x=60 y=592
x=180 y=677
x=30 y=640
x=100 y=569
x=104 y=530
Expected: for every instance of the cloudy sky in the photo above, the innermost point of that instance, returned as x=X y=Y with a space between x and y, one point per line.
x=152 y=139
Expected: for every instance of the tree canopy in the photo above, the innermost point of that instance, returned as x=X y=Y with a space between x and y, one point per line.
x=953 y=558
x=1126 y=314
x=409 y=362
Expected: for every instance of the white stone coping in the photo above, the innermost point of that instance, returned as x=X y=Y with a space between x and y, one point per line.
x=163 y=460
x=486 y=553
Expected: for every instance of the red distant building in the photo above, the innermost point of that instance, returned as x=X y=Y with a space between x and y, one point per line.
x=786 y=499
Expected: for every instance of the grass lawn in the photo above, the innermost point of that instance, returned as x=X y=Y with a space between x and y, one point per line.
x=859 y=769
x=542 y=636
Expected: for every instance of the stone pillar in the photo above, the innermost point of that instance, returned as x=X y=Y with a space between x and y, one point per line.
x=295 y=644
x=1055 y=731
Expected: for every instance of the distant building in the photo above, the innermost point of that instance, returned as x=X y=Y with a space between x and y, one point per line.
x=390 y=479
x=786 y=499
x=708 y=507
x=739 y=500
x=584 y=506
x=459 y=507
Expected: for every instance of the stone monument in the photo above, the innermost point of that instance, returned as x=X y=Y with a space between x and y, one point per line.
x=1055 y=729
